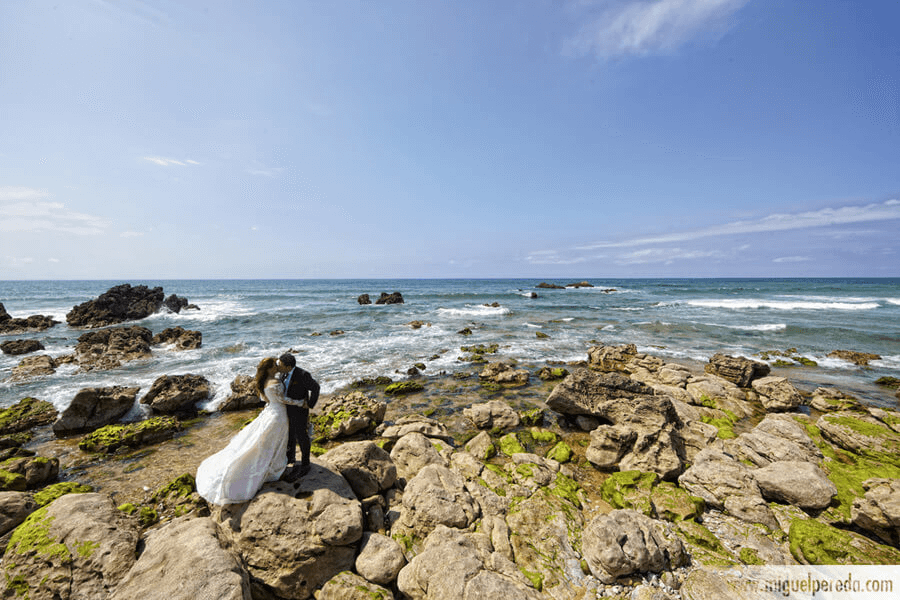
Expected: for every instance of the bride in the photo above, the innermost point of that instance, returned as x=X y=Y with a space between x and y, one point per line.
x=257 y=454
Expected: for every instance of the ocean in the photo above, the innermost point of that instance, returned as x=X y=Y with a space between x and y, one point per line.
x=679 y=320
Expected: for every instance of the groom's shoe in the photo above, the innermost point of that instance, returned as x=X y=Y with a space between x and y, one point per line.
x=303 y=469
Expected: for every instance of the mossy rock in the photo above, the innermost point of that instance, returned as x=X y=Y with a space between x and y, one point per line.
x=644 y=492
x=567 y=488
x=561 y=452
x=552 y=374
x=705 y=548
x=725 y=425
x=180 y=487
x=12 y=482
x=510 y=444
x=402 y=388
x=110 y=438
x=26 y=414
x=52 y=492
x=816 y=543
x=890 y=382
x=847 y=471
x=880 y=441
x=33 y=535
x=543 y=436
x=372 y=381
x=532 y=417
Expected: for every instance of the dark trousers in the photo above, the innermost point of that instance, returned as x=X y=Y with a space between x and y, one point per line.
x=298 y=432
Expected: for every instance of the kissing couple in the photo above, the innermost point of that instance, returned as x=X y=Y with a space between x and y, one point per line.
x=265 y=450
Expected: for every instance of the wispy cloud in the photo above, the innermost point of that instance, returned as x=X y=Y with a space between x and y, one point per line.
x=651 y=26
x=665 y=255
x=791 y=259
x=27 y=210
x=266 y=172
x=128 y=234
x=553 y=257
x=776 y=222
x=168 y=162
x=13 y=193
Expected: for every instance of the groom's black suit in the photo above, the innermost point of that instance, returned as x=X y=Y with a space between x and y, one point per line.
x=301 y=388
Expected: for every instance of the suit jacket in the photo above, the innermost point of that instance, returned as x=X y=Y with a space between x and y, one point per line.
x=303 y=389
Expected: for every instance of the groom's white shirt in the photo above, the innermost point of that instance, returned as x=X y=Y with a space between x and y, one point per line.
x=287 y=382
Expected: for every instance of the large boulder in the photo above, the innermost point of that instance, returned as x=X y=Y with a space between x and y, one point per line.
x=436 y=496
x=348 y=414
x=726 y=484
x=364 y=299
x=11 y=326
x=176 y=304
x=414 y=424
x=171 y=394
x=857 y=358
x=179 y=337
x=778 y=437
x=489 y=415
x=20 y=347
x=611 y=358
x=243 y=395
x=455 y=565
x=184 y=559
x=736 y=369
x=95 y=407
x=380 y=558
x=294 y=537
x=117 y=305
x=79 y=547
x=367 y=468
x=798 y=483
x=879 y=510
x=640 y=429
x=625 y=541
x=777 y=394
x=861 y=434
x=412 y=453
x=109 y=348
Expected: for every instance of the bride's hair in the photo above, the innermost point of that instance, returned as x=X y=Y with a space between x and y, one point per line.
x=264 y=371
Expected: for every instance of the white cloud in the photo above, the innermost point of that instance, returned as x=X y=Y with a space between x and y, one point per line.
x=776 y=222
x=12 y=193
x=791 y=259
x=167 y=162
x=552 y=257
x=53 y=260
x=35 y=216
x=648 y=27
x=665 y=255
x=128 y=234
x=271 y=172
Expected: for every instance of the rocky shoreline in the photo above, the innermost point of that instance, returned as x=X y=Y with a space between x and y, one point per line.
x=620 y=475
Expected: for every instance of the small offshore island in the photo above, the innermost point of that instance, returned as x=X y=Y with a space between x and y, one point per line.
x=621 y=475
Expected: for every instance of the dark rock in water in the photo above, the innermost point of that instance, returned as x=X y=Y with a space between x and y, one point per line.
x=109 y=348
x=395 y=298
x=549 y=286
x=364 y=299
x=10 y=325
x=95 y=407
x=184 y=339
x=243 y=394
x=175 y=303
x=858 y=358
x=117 y=305
x=34 y=366
x=177 y=393
x=19 y=347
x=582 y=284
x=738 y=370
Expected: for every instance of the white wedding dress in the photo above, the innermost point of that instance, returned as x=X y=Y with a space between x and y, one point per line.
x=257 y=454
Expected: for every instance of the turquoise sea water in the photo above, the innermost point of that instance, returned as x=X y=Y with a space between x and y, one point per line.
x=682 y=320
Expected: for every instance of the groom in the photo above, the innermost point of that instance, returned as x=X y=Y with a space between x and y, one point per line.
x=301 y=394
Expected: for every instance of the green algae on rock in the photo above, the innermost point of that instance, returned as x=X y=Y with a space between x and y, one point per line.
x=52 y=492
x=110 y=438
x=403 y=387
x=644 y=492
x=26 y=414
x=816 y=543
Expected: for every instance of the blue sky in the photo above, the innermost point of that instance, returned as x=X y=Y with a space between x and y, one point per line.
x=592 y=139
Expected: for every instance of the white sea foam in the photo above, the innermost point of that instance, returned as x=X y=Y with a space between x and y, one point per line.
x=751 y=303
x=762 y=327
x=894 y=301
x=887 y=362
x=474 y=311
x=621 y=308
x=533 y=325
